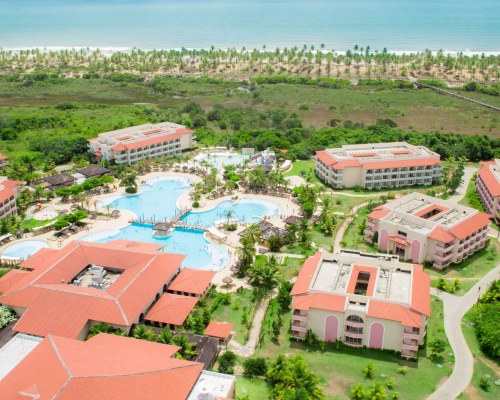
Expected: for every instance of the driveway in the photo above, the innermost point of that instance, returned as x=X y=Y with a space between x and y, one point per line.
x=454 y=309
x=462 y=188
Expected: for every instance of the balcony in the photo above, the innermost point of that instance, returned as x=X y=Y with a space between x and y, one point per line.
x=444 y=249
x=298 y=335
x=443 y=258
x=300 y=318
x=354 y=324
x=409 y=347
x=411 y=336
x=299 y=328
x=353 y=335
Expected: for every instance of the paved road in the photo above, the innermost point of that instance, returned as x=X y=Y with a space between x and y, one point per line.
x=454 y=309
x=462 y=188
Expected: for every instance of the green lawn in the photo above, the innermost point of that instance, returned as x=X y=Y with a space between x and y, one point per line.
x=353 y=238
x=240 y=303
x=340 y=370
x=255 y=389
x=322 y=239
x=307 y=166
x=482 y=364
x=35 y=223
x=3 y=271
x=291 y=267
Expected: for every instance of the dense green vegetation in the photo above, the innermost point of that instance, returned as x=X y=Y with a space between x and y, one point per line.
x=486 y=321
x=45 y=120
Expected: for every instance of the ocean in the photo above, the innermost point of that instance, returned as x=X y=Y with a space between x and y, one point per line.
x=398 y=25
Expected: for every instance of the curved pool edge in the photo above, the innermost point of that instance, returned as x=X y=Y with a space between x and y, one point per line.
x=19 y=243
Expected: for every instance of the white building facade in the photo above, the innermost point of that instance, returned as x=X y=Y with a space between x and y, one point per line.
x=378 y=165
x=136 y=143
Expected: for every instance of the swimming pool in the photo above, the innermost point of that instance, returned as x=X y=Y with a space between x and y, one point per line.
x=218 y=160
x=157 y=199
x=24 y=249
x=200 y=253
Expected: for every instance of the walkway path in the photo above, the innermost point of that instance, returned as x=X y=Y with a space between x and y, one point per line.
x=248 y=348
x=462 y=188
x=339 y=236
x=454 y=309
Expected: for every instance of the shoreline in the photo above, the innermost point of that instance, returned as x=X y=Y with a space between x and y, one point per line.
x=110 y=50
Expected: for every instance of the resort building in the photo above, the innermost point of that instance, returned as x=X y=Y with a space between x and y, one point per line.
x=488 y=187
x=111 y=367
x=9 y=190
x=136 y=143
x=422 y=228
x=371 y=300
x=378 y=165
x=66 y=291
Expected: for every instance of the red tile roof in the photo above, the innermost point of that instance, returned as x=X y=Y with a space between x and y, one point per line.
x=378 y=214
x=153 y=140
x=104 y=367
x=421 y=291
x=220 y=330
x=346 y=164
x=7 y=191
x=320 y=301
x=441 y=235
x=430 y=208
x=367 y=154
x=97 y=154
x=354 y=277
x=490 y=181
x=399 y=240
x=467 y=227
x=55 y=306
x=306 y=274
x=394 y=312
x=172 y=309
x=413 y=162
x=325 y=157
x=194 y=281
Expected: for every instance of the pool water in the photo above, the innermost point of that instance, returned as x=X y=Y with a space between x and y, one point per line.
x=200 y=253
x=157 y=199
x=24 y=249
x=219 y=160
x=244 y=210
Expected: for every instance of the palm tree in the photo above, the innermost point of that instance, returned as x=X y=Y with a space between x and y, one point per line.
x=165 y=336
x=246 y=252
x=264 y=275
x=187 y=349
x=143 y=332
x=253 y=232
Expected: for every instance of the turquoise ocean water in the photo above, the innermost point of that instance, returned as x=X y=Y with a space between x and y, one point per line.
x=399 y=25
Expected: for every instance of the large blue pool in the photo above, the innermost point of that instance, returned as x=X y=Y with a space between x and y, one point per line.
x=157 y=199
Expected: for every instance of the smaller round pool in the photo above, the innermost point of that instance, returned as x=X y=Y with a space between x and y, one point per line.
x=24 y=249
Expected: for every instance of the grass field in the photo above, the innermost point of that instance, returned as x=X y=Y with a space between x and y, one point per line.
x=35 y=223
x=483 y=366
x=240 y=303
x=340 y=370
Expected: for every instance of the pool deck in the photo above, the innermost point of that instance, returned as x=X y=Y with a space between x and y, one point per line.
x=287 y=207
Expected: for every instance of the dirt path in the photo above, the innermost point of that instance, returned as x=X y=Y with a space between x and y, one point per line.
x=248 y=348
x=339 y=236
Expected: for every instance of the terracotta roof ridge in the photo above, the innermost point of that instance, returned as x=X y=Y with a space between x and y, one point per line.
x=59 y=356
x=164 y=369
x=43 y=273
x=50 y=286
x=121 y=311
x=55 y=263
x=143 y=269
